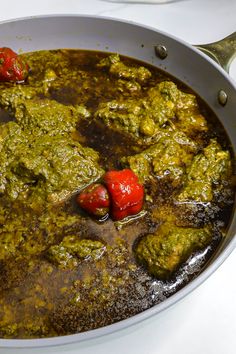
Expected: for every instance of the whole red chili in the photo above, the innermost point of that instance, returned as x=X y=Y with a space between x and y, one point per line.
x=94 y=199
x=126 y=193
x=12 y=68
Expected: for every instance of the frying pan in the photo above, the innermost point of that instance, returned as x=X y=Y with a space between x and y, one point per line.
x=166 y=52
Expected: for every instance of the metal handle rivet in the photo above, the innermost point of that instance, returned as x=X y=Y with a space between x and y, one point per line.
x=161 y=51
x=222 y=97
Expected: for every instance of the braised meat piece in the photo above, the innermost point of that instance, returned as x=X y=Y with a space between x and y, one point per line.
x=164 y=251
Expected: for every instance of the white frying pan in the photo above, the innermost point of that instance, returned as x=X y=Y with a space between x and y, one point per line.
x=174 y=56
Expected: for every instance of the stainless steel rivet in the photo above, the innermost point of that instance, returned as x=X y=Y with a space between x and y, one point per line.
x=161 y=51
x=222 y=97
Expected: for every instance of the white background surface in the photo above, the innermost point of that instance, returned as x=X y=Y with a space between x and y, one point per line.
x=205 y=321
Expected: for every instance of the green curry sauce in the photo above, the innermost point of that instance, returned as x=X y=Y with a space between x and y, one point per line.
x=79 y=114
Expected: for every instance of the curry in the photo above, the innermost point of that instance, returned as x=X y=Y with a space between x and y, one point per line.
x=77 y=115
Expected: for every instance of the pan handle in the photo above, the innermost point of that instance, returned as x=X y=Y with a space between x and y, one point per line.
x=223 y=51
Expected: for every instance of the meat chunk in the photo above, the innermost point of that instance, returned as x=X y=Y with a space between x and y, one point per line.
x=48 y=116
x=166 y=159
x=164 y=251
x=47 y=168
x=12 y=95
x=72 y=250
x=207 y=174
x=146 y=119
x=120 y=70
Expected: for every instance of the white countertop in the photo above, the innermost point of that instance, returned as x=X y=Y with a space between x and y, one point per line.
x=205 y=321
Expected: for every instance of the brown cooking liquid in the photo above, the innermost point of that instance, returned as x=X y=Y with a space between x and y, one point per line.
x=39 y=299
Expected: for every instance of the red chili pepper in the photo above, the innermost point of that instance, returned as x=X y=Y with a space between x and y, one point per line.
x=12 y=68
x=126 y=193
x=95 y=200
